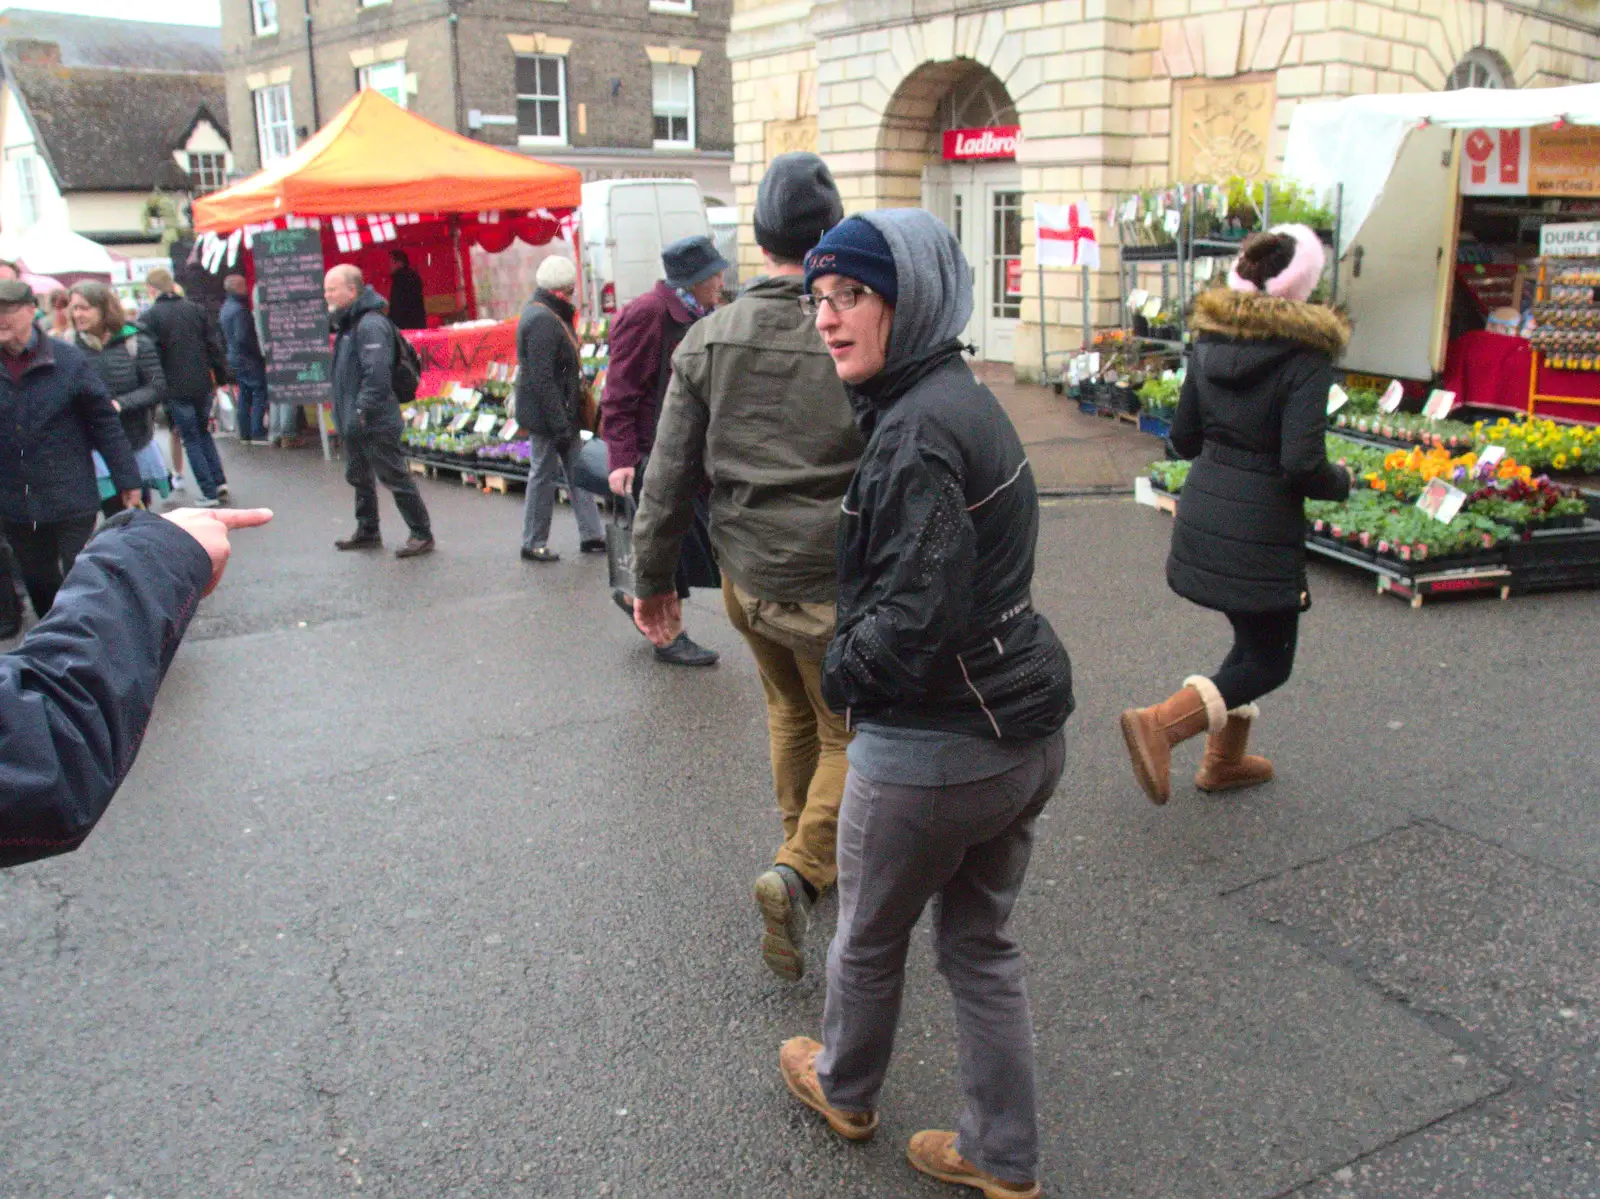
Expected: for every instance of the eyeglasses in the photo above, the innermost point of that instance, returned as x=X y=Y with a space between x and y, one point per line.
x=840 y=299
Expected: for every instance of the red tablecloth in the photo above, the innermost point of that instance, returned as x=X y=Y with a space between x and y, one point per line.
x=456 y=355
x=1490 y=370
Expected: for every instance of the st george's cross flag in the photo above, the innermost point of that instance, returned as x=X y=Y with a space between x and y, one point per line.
x=1065 y=234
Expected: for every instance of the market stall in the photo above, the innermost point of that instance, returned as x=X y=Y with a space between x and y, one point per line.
x=378 y=178
x=1469 y=221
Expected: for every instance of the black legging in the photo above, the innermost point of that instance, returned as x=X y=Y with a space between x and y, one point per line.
x=1262 y=656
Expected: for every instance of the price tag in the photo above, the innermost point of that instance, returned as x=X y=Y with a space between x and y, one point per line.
x=484 y=423
x=1338 y=397
x=1439 y=404
x=460 y=422
x=1392 y=395
x=508 y=431
x=1441 y=501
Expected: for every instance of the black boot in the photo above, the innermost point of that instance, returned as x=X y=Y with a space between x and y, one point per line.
x=360 y=540
x=684 y=652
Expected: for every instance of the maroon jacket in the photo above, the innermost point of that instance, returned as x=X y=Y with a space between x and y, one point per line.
x=643 y=338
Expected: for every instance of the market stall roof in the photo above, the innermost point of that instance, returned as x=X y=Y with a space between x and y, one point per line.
x=374 y=156
x=1356 y=141
x=50 y=248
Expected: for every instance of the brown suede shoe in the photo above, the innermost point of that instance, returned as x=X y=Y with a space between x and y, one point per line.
x=797 y=1059
x=1226 y=767
x=415 y=547
x=934 y=1153
x=1152 y=732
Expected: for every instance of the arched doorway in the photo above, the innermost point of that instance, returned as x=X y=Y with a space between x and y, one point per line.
x=970 y=181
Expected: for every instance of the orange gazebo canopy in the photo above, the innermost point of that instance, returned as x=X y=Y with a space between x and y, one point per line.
x=374 y=156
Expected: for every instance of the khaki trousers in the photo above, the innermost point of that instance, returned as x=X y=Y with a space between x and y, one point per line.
x=808 y=745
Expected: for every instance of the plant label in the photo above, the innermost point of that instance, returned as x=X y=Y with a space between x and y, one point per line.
x=1151 y=309
x=484 y=423
x=1392 y=395
x=1439 y=404
x=1137 y=298
x=1441 y=501
x=587 y=351
x=1094 y=363
x=1143 y=493
x=1171 y=220
x=461 y=394
x=1489 y=459
x=1338 y=397
x=460 y=422
x=508 y=431
x=420 y=420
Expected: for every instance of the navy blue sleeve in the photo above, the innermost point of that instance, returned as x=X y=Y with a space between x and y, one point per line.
x=76 y=695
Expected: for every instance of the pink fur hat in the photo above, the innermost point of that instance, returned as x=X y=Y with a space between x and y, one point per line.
x=1297 y=280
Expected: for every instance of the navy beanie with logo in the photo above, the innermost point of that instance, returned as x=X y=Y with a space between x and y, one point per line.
x=856 y=250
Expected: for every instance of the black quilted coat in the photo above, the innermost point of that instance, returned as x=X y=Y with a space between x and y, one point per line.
x=936 y=625
x=1253 y=414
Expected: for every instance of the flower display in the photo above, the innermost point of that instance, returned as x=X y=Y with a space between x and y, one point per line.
x=1543 y=444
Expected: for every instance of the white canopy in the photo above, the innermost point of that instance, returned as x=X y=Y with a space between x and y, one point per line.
x=48 y=248
x=1356 y=141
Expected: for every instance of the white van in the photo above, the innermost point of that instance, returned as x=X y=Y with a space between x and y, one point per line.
x=625 y=223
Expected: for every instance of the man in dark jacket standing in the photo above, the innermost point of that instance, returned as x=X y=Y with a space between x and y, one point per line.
x=367 y=413
x=643 y=340
x=959 y=690
x=756 y=408
x=76 y=695
x=54 y=411
x=408 y=309
x=549 y=376
x=193 y=361
x=245 y=361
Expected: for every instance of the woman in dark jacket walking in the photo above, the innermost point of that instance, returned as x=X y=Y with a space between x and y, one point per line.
x=958 y=691
x=130 y=368
x=1252 y=415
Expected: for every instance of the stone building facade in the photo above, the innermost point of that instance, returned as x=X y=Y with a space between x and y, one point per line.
x=616 y=88
x=1110 y=96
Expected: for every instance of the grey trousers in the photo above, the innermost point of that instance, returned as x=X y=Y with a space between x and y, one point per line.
x=965 y=847
x=544 y=464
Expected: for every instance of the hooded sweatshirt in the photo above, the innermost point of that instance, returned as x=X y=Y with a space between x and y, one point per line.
x=939 y=658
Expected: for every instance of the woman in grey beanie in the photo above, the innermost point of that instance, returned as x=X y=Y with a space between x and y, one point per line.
x=957 y=690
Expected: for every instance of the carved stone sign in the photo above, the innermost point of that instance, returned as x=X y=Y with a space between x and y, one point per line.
x=1223 y=128
x=786 y=136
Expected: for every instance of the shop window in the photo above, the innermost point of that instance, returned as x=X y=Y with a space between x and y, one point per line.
x=274 y=122
x=1005 y=284
x=676 y=6
x=388 y=78
x=672 y=87
x=541 y=99
x=264 y=15
x=958 y=214
x=28 y=188
x=1480 y=68
x=207 y=173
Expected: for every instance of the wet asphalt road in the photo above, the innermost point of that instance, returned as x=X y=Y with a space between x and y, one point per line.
x=430 y=881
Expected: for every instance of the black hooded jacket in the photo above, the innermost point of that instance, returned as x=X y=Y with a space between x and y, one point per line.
x=363 y=367
x=936 y=628
x=1253 y=415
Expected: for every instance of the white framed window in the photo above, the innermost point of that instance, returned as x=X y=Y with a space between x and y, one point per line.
x=672 y=90
x=541 y=99
x=386 y=77
x=678 y=6
x=274 y=122
x=208 y=172
x=264 y=16
x=28 y=188
x=372 y=3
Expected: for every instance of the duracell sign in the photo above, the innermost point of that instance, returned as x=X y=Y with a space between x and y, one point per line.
x=994 y=141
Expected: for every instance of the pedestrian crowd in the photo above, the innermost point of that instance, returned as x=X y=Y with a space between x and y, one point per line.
x=818 y=450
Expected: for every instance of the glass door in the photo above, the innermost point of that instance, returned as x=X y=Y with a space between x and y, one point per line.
x=1001 y=289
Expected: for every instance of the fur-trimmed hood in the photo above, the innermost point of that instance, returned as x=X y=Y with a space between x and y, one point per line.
x=1248 y=317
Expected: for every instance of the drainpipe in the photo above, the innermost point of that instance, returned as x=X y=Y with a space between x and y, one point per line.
x=311 y=62
x=455 y=61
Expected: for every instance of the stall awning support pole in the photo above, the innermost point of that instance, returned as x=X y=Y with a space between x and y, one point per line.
x=322 y=431
x=1338 y=232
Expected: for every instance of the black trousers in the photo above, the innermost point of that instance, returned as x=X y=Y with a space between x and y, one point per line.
x=1262 y=657
x=46 y=551
x=376 y=457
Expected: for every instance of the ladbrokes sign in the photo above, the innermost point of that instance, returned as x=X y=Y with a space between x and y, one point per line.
x=995 y=141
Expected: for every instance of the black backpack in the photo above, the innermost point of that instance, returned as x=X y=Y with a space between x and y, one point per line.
x=405 y=372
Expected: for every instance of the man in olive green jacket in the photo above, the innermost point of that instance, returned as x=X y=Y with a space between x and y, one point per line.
x=755 y=409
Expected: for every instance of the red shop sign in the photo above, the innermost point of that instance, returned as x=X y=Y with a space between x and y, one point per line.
x=994 y=141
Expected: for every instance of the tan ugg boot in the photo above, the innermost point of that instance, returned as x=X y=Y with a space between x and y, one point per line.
x=1226 y=766
x=1152 y=732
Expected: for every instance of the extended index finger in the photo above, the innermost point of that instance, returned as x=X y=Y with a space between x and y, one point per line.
x=241 y=518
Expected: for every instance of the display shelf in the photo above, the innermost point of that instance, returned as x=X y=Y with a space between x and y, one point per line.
x=1202 y=248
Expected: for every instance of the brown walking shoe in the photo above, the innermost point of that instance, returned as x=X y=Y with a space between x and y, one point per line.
x=1152 y=732
x=1226 y=767
x=415 y=547
x=359 y=541
x=934 y=1153
x=797 y=1059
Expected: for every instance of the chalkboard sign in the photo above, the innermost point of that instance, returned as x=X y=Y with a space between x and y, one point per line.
x=294 y=317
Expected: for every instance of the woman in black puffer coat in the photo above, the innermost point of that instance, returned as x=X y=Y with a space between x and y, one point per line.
x=130 y=367
x=1252 y=415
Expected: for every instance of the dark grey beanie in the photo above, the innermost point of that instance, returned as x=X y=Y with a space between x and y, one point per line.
x=796 y=204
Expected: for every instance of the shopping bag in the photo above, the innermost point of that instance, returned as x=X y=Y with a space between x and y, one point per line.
x=619 y=546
